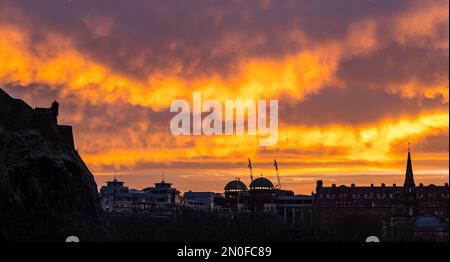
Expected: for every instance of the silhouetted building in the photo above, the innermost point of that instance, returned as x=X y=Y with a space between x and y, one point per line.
x=382 y=201
x=401 y=213
x=161 y=199
x=235 y=197
x=423 y=228
x=115 y=198
x=199 y=200
x=294 y=208
x=263 y=197
x=16 y=115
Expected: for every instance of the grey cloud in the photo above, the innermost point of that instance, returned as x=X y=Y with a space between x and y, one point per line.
x=153 y=35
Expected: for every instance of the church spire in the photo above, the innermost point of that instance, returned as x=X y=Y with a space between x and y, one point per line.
x=409 y=177
x=410 y=187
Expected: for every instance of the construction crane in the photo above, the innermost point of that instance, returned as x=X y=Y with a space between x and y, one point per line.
x=278 y=173
x=251 y=169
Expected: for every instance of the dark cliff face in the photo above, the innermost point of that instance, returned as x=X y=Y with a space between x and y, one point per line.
x=46 y=191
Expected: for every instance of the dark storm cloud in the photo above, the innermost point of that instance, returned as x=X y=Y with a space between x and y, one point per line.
x=123 y=116
x=353 y=106
x=199 y=37
x=435 y=144
x=396 y=64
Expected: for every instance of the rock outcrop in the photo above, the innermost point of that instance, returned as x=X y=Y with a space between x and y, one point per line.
x=46 y=191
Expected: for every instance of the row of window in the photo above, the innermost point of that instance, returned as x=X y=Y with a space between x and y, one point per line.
x=367 y=196
x=380 y=196
x=361 y=204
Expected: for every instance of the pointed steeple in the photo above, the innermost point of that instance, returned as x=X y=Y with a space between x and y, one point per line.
x=410 y=188
x=115 y=175
x=409 y=177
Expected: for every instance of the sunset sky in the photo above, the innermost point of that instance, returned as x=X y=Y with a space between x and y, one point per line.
x=356 y=81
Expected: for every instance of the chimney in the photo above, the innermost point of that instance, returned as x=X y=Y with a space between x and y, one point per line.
x=55 y=108
x=319 y=184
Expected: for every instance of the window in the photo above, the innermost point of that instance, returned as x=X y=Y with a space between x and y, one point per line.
x=380 y=195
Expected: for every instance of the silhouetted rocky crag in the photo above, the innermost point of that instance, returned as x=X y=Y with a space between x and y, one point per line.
x=46 y=191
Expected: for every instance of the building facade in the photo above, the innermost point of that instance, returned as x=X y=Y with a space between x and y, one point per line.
x=161 y=199
x=200 y=200
x=263 y=197
x=115 y=198
x=405 y=212
x=383 y=201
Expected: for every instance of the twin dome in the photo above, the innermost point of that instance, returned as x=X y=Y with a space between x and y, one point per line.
x=261 y=183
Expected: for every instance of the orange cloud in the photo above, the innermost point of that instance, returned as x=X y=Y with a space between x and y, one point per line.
x=56 y=61
x=58 y=64
x=415 y=88
x=371 y=143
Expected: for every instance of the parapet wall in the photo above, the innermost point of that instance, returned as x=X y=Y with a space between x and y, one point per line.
x=16 y=115
x=66 y=135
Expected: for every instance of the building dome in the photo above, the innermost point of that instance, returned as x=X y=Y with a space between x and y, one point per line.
x=429 y=223
x=261 y=183
x=235 y=186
